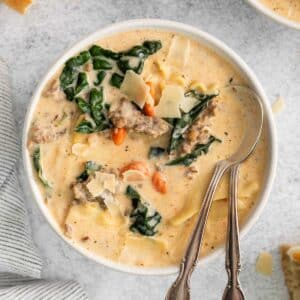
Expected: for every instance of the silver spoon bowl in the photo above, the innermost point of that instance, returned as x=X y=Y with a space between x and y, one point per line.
x=180 y=290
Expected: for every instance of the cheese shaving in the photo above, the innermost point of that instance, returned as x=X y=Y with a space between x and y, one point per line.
x=179 y=52
x=169 y=104
x=264 y=264
x=135 y=88
x=278 y=105
x=101 y=182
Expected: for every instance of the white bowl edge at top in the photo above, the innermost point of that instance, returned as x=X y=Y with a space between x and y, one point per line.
x=212 y=43
x=276 y=17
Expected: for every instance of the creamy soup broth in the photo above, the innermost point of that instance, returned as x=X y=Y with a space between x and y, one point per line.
x=105 y=229
x=289 y=9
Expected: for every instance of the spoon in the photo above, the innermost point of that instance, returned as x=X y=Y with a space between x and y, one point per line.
x=233 y=290
x=180 y=290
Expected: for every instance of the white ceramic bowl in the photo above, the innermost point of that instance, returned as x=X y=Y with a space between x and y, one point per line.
x=212 y=43
x=276 y=17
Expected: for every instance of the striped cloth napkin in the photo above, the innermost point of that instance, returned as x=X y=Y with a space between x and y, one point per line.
x=20 y=263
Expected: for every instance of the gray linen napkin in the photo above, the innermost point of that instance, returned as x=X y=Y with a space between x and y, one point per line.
x=20 y=263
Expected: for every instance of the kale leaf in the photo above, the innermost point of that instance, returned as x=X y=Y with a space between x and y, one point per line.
x=198 y=150
x=90 y=168
x=143 y=221
x=36 y=158
x=187 y=119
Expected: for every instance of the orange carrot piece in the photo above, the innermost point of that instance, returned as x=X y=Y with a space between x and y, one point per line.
x=118 y=135
x=148 y=110
x=159 y=182
x=136 y=165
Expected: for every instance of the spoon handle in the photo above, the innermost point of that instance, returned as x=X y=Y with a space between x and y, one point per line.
x=233 y=265
x=180 y=290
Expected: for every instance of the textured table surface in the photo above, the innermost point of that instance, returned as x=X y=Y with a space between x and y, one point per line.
x=31 y=43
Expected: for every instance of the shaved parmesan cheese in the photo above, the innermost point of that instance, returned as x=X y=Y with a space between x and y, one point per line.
x=188 y=103
x=135 y=88
x=169 y=104
x=133 y=175
x=264 y=263
x=278 y=105
x=179 y=52
x=101 y=182
x=18 y=5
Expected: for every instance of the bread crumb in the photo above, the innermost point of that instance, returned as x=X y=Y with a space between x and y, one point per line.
x=264 y=263
x=291 y=269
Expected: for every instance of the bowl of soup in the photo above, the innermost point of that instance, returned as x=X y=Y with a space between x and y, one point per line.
x=122 y=136
x=286 y=12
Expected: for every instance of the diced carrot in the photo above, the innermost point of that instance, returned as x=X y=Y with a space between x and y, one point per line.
x=148 y=110
x=136 y=165
x=118 y=135
x=159 y=182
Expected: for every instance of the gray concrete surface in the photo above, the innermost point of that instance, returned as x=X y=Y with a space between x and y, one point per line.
x=31 y=43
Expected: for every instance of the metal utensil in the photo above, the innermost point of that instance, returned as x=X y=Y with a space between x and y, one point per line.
x=180 y=290
x=233 y=290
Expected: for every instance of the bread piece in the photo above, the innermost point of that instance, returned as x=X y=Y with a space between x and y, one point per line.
x=18 y=5
x=291 y=270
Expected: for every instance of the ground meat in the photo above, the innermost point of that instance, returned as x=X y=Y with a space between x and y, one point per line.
x=88 y=67
x=191 y=172
x=81 y=193
x=48 y=128
x=199 y=132
x=129 y=116
x=53 y=90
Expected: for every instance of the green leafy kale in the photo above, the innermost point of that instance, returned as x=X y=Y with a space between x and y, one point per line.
x=143 y=222
x=98 y=111
x=189 y=158
x=70 y=93
x=141 y=52
x=85 y=127
x=90 y=168
x=124 y=65
x=116 y=80
x=96 y=50
x=67 y=77
x=156 y=152
x=83 y=105
x=100 y=77
x=82 y=82
x=187 y=119
x=79 y=60
x=36 y=157
x=70 y=72
x=101 y=64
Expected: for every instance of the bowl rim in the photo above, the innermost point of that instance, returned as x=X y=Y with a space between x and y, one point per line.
x=276 y=17
x=212 y=43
